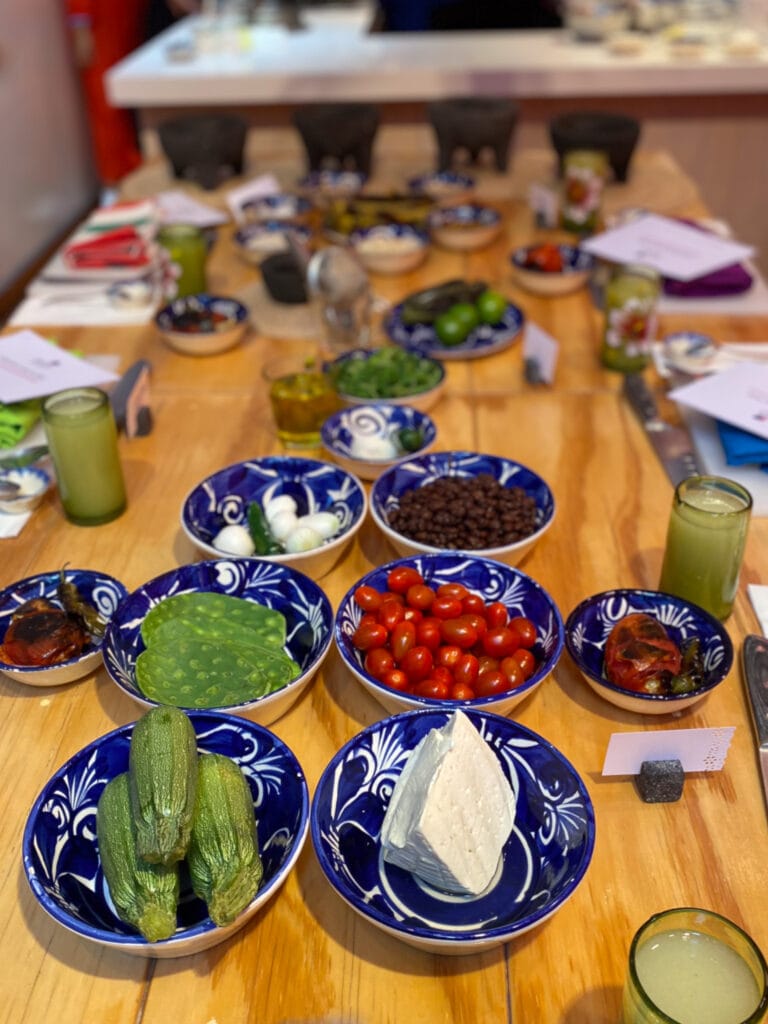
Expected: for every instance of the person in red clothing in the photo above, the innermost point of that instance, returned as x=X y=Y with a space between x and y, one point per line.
x=103 y=32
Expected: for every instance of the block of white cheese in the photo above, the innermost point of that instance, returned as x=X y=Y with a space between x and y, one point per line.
x=451 y=810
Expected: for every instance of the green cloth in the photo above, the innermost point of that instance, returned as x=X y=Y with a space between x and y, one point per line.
x=16 y=421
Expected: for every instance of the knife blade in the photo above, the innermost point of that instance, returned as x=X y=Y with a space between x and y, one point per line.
x=672 y=444
x=754 y=655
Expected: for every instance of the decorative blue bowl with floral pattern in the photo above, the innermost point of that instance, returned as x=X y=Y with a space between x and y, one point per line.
x=465 y=226
x=493 y=581
x=365 y=439
x=61 y=856
x=222 y=499
x=589 y=625
x=542 y=864
x=305 y=607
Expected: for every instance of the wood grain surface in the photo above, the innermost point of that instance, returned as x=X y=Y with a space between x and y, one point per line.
x=307 y=957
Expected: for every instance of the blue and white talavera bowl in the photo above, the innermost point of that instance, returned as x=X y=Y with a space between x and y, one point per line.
x=465 y=226
x=576 y=263
x=60 y=851
x=222 y=499
x=390 y=248
x=542 y=864
x=283 y=206
x=97 y=588
x=423 y=469
x=205 y=341
x=331 y=183
x=442 y=185
x=484 y=340
x=307 y=611
x=493 y=581
x=353 y=436
x=588 y=626
x=255 y=241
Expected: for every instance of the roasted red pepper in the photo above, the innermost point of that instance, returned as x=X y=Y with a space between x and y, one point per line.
x=545 y=257
x=640 y=656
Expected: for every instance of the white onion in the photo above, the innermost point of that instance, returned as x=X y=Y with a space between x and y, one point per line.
x=282 y=525
x=303 y=538
x=282 y=503
x=324 y=523
x=234 y=540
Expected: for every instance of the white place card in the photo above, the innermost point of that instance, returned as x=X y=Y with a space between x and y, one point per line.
x=676 y=250
x=543 y=349
x=258 y=188
x=176 y=207
x=31 y=367
x=698 y=750
x=737 y=395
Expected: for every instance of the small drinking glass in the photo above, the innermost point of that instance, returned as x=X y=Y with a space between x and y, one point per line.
x=82 y=438
x=692 y=966
x=705 y=542
x=302 y=398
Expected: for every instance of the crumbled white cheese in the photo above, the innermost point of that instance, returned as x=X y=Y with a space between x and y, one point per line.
x=451 y=810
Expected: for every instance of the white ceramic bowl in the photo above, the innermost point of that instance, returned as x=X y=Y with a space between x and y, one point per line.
x=222 y=499
x=465 y=227
x=423 y=469
x=493 y=581
x=189 y=325
x=300 y=600
x=390 y=248
x=346 y=434
x=103 y=592
x=60 y=851
x=590 y=623
x=577 y=265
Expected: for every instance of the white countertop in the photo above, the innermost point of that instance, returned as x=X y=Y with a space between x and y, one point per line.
x=335 y=58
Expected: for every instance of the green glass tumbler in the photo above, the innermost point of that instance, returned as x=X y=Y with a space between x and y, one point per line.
x=692 y=966
x=82 y=438
x=705 y=542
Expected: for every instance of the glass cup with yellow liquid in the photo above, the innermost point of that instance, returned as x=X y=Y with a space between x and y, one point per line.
x=302 y=397
x=692 y=966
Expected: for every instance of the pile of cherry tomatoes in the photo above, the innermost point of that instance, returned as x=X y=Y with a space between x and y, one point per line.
x=443 y=642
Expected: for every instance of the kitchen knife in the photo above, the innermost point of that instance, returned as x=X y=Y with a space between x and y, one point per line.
x=671 y=444
x=755 y=662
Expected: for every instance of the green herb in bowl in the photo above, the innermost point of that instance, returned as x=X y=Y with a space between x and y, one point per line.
x=389 y=373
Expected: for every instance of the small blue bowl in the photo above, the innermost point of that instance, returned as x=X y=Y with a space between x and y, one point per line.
x=577 y=265
x=484 y=340
x=423 y=469
x=465 y=226
x=202 y=325
x=222 y=499
x=441 y=184
x=255 y=241
x=307 y=611
x=345 y=434
x=33 y=482
x=590 y=623
x=104 y=592
x=390 y=248
x=543 y=861
x=493 y=581
x=333 y=182
x=283 y=206
x=60 y=851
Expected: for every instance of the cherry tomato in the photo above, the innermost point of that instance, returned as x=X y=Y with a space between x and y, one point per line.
x=457 y=590
x=390 y=613
x=443 y=674
x=473 y=603
x=512 y=670
x=500 y=642
x=402 y=577
x=417 y=663
x=460 y=632
x=428 y=633
x=396 y=679
x=413 y=614
x=420 y=596
x=368 y=617
x=460 y=691
x=432 y=688
x=390 y=595
x=485 y=663
x=496 y=614
x=466 y=670
x=526 y=661
x=449 y=655
x=477 y=621
x=378 y=662
x=402 y=639
x=369 y=635
x=490 y=683
x=368 y=598
x=525 y=629
x=446 y=607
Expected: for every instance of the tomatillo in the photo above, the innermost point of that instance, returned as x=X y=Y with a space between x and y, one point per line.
x=491 y=306
x=450 y=329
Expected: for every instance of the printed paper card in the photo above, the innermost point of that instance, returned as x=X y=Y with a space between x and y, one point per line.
x=698 y=750
x=737 y=395
x=31 y=367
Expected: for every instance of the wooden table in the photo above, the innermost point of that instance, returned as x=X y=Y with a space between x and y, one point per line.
x=307 y=957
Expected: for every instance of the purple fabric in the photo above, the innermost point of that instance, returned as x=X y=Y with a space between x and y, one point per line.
x=730 y=280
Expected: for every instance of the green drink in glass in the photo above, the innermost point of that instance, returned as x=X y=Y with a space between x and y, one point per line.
x=705 y=542
x=82 y=439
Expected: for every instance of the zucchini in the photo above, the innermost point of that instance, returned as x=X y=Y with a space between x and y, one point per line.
x=223 y=856
x=163 y=777
x=144 y=895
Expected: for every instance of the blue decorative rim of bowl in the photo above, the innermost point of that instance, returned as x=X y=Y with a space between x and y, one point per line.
x=376 y=419
x=589 y=624
x=388 y=231
x=484 y=340
x=270 y=227
x=463 y=213
x=59 y=848
x=270 y=206
x=575 y=260
x=234 y=311
x=544 y=859
x=452 y=179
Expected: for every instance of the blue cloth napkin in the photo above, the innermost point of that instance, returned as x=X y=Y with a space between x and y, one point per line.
x=741 y=447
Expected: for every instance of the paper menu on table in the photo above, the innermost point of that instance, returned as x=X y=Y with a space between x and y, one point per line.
x=31 y=367
x=676 y=250
x=737 y=395
x=176 y=207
